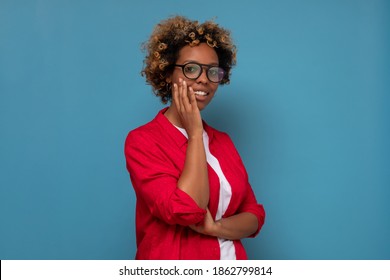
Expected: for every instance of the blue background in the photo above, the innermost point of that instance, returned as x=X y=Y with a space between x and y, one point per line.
x=308 y=109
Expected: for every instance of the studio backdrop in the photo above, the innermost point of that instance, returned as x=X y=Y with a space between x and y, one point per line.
x=307 y=108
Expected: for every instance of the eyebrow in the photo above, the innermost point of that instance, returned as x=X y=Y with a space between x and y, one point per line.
x=194 y=61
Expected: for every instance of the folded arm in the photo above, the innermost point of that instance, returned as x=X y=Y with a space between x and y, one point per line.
x=235 y=227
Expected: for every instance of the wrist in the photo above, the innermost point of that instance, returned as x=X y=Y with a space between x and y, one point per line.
x=216 y=229
x=195 y=136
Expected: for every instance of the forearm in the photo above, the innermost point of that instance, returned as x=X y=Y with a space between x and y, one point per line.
x=236 y=227
x=194 y=178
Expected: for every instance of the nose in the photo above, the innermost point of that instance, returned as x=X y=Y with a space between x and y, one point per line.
x=203 y=77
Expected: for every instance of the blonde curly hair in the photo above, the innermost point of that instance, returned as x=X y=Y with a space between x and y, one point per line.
x=170 y=36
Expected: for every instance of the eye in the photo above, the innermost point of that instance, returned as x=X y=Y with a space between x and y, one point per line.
x=214 y=71
x=191 y=69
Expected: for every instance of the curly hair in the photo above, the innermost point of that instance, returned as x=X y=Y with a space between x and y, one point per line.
x=170 y=36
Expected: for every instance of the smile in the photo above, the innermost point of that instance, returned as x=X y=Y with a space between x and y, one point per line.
x=201 y=93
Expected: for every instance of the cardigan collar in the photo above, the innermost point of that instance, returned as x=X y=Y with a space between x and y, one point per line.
x=174 y=133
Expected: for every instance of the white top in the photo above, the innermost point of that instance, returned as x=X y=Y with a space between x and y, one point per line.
x=228 y=251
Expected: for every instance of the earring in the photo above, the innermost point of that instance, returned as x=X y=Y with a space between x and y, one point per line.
x=168 y=87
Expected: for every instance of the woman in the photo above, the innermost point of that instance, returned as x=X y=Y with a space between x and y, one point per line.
x=194 y=200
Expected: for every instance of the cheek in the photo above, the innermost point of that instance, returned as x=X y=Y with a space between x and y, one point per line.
x=175 y=76
x=215 y=87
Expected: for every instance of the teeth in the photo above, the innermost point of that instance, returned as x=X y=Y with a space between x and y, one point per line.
x=200 y=93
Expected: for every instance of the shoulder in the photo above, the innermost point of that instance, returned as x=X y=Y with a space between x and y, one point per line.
x=143 y=131
x=146 y=133
x=218 y=135
x=141 y=144
x=223 y=142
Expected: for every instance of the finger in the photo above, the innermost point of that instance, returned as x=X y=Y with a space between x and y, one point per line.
x=179 y=94
x=184 y=97
x=175 y=96
x=192 y=99
x=180 y=85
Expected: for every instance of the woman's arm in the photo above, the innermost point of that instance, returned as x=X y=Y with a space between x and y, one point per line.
x=234 y=227
x=194 y=178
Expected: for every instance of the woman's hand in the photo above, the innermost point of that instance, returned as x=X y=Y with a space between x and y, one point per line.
x=207 y=227
x=187 y=107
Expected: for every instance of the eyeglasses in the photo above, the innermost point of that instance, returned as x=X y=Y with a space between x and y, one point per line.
x=193 y=71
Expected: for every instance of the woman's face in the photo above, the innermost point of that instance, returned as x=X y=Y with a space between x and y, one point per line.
x=204 y=89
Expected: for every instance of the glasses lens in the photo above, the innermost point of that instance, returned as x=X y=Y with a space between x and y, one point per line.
x=192 y=71
x=216 y=74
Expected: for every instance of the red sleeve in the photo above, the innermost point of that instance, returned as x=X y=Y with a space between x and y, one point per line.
x=250 y=205
x=154 y=178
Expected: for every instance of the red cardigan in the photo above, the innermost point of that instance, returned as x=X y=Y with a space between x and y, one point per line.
x=155 y=155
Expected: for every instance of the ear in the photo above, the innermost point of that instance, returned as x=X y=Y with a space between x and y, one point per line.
x=168 y=79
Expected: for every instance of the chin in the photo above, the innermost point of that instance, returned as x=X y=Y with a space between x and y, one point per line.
x=201 y=106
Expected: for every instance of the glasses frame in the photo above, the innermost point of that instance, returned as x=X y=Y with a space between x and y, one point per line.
x=208 y=67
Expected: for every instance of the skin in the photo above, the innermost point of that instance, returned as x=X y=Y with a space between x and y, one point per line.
x=184 y=112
